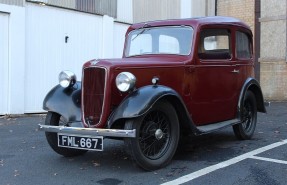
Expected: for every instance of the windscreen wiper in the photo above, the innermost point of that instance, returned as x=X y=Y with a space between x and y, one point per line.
x=141 y=32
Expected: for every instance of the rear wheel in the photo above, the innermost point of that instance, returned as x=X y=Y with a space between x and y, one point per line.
x=55 y=119
x=157 y=135
x=245 y=130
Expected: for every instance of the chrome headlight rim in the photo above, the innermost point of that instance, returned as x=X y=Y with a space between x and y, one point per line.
x=67 y=78
x=125 y=81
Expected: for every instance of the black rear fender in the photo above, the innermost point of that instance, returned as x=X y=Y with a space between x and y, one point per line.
x=252 y=85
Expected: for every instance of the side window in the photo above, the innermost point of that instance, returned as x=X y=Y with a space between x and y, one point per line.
x=243 y=46
x=214 y=44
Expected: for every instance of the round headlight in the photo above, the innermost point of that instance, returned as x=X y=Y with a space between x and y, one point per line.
x=125 y=81
x=67 y=79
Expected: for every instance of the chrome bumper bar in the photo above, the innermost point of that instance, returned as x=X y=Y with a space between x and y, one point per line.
x=88 y=131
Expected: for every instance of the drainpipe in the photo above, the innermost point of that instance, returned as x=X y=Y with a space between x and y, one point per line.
x=215 y=8
x=257 y=36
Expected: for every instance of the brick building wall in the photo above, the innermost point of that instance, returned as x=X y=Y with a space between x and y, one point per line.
x=272 y=45
x=245 y=10
x=273 y=58
x=241 y=9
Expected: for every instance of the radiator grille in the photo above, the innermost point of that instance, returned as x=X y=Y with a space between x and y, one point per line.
x=93 y=94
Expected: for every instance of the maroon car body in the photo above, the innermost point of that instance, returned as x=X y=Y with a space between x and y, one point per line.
x=194 y=75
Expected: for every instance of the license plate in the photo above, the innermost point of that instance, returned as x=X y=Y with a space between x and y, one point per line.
x=80 y=142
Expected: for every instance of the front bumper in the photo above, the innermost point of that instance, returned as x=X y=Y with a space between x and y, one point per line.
x=89 y=131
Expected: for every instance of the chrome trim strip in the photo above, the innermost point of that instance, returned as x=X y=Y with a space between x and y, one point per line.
x=88 y=131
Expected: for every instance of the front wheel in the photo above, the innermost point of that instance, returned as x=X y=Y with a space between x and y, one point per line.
x=54 y=119
x=245 y=130
x=157 y=135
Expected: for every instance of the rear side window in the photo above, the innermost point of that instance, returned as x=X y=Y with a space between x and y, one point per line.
x=243 y=46
x=214 y=44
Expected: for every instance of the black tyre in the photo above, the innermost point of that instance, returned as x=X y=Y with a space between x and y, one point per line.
x=157 y=135
x=54 y=119
x=245 y=130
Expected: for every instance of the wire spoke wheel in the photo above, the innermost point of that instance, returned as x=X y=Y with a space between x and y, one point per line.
x=247 y=116
x=245 y=130
x=157 y=135
x=154 y=136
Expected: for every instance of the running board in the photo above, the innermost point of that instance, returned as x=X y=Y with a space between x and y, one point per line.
x=216 y=126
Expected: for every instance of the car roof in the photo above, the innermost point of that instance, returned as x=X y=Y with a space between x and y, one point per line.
x=194 y=22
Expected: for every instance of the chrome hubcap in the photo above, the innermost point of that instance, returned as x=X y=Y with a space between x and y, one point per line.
x=158 y=134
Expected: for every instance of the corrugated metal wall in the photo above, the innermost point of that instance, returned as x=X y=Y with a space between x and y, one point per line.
x=101 y=7
x=13 y=2
x=63 y=3
x=202 y=8
x=125 y=11
x=148 y=10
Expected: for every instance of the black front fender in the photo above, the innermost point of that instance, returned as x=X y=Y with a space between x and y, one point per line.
x=140 y=101
x=65 y=101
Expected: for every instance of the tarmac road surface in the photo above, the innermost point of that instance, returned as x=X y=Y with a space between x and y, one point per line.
x=217 y=158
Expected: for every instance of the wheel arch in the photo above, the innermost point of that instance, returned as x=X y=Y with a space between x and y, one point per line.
x=65 y=102
x=252 y=85
x=145 y=98
x=185 y=122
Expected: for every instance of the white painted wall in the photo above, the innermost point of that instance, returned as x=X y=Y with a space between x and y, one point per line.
x=119 y=32
x=16 y=58
x=47 y=53
x=89 y=37
x=37 y=51
x=34 y=51
x=4 y=65
x=108 y=37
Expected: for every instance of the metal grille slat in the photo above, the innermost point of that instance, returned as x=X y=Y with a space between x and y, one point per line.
x=93 y=94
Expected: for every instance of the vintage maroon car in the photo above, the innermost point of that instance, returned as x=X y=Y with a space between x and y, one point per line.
x=176 y=77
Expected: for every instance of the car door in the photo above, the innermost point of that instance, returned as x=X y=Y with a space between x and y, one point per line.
x=214 y=80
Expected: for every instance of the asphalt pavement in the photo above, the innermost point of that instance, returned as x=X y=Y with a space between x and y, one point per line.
x=26 y=158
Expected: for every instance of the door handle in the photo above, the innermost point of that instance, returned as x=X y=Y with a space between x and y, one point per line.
x=235 y=71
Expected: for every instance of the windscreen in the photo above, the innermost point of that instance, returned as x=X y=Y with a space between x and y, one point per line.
x=174 y=40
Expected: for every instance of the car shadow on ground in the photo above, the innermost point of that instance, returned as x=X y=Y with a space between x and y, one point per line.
x=200 y=148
